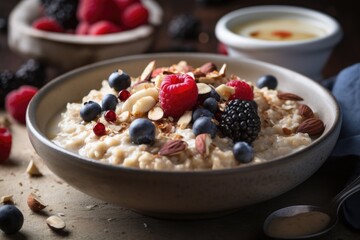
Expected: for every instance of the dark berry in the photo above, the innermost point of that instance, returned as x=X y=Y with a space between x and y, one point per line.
x=109 y=102
x=243 y=152
x=119 y=80
x=204 y=125
x=63 y=11
x=184 y=26
x=240 y=121
x=201 y=112
x=5 y=144
x=90 y=111
x=124 y=95
x=268 y=81
x=31 y=73
x=142 y=131
x=3 y=25
x=99 y=129
x=211 y=104
x=214 y=94
x=110 y=116
x=8 y=83
x=11 y=219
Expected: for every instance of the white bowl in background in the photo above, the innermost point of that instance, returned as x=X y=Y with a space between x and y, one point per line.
x=307 y=57
x=69 y=51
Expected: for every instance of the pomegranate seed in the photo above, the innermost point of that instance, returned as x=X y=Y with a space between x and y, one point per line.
x=99 y=129
x=110 y=116
x=124 y=95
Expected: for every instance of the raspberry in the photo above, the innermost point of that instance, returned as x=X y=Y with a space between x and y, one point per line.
x=82 y=28
x=134 y=16
x=243 y=90
x=17 y=101
x=123 y=4
x=103 y=27
x=178 y=93
x=5 y=144
x=47 y=24
x=92 y=11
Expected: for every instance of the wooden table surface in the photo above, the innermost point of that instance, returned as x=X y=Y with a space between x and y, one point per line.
x=89 y=218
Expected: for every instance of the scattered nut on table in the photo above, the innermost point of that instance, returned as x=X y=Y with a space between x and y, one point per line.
x=35 y=203
x=33 y=170
x=55 y=223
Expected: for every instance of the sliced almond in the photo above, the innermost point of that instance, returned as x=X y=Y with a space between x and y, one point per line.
x=128 y=104
x=7 y=199
x=156 y=113
x=222 y=71
x=35 y=203
x=142 y=85
x=289 y=96
x=146 y=74
x=143 y=105
x=55 y=222
x=202 y=143
x=172 y=147
x=184 y=120
x=32 y=169
x=312 y=126
x=225 y=91
x=203 y=88
x=305 y=111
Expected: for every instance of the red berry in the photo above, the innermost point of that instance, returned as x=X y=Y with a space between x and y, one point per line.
x=93 y=11
x=243 y=90
x=178 y=93
x=122 y=4
x=222 y=49
x=82 y=28
x=134 y=16
x=99 y=129
x=124 y=95
x=5 y=144
x=17 y=101
x=110 y=116
x=48 y=24
x=103 y=27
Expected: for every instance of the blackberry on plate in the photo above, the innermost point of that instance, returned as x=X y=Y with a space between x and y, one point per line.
x=63 y=11
x=31 y=73
x=8 y=83
x=240 y=121
x=184 y=26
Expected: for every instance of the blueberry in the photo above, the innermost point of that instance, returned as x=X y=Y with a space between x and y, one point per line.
x=142 y=131
x=201 y=112
x=90 y=110
x=11 y=219
x=268 y=81
x=243 y=152
x=119 y=80
x=204 y=125
x=109 y=102
x=211 y=104
x=214 y=94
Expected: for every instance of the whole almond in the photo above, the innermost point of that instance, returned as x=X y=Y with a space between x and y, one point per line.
x=55 y=223
x=208 y=67
x=35 y=203
x=202 y=143
x=305 y=111
x=173 y=147
x=289 y=96
x=312 y=126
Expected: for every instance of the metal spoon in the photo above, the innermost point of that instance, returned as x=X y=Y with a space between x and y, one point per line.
x=332 y=211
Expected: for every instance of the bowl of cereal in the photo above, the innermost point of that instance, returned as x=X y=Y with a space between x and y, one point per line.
x=42 y=30
x=196 y=135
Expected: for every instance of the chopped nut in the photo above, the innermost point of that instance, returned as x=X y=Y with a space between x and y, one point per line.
x=173 y=147
x=7 y=199
x=4 y=122
x=203 y=88
x=35 y=203
x=32 y=169
x=184 y=120
x=156 y=113
x=224 y=91
x=55 y=222
x=202 y=143
x=222 y=71
x=208 y=67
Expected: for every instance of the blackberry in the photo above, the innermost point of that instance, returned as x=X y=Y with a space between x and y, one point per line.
x=184 y=26
x=8 y=83
x=31 y=73
x=63 y=11
x=240 y=121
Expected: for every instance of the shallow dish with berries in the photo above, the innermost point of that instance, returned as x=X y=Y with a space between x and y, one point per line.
x=196 y=135
x=92 y=34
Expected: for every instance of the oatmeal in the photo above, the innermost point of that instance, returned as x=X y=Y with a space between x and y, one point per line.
x=186 y=118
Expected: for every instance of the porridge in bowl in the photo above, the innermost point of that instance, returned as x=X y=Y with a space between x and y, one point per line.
x=183 y=117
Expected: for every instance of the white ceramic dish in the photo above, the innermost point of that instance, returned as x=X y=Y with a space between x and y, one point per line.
x=307 y=57
x=190 y=194
x=68 y=51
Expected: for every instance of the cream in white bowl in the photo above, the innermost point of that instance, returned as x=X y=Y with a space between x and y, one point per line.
x=304 y=55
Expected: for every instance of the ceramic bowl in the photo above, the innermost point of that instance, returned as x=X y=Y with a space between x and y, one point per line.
x=307 y=56
x=68 y=51
x=181 y=194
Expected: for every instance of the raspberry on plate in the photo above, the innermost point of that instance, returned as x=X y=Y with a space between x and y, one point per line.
x=5 y=144
x=103 y=27
x=17 y=101
x=178 y=93
x=134 y=16
x=243 y=91
x=48 y=24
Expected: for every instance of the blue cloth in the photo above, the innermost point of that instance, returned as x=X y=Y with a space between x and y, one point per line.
x=346 y=89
